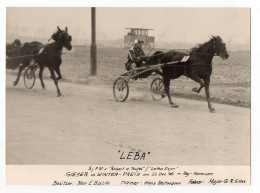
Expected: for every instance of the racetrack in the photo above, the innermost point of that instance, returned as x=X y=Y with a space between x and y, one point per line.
x=86 y=126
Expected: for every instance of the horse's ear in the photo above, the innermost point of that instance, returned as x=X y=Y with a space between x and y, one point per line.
x=213 y=37
x=66 y=29
x=58 y=28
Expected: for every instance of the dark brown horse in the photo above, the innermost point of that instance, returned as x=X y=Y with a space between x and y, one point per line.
x=198 y=67
x=51 y=56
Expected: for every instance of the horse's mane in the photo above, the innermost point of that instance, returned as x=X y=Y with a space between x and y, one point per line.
x=55 y=36
x=194 y=49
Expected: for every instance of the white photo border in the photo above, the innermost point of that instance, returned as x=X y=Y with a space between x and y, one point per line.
x=255 y=91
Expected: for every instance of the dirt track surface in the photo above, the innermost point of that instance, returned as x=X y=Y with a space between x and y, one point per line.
x=86 y=126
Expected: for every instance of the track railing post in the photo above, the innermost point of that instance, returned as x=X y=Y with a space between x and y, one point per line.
x=93 y=57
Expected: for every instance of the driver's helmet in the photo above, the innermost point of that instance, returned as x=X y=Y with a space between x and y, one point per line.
x=137 y=41
x=17 y=42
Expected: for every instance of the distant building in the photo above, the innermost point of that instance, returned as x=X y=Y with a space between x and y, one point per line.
x=138 y=33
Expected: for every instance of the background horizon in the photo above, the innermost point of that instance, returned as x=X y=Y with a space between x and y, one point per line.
x=180 y=28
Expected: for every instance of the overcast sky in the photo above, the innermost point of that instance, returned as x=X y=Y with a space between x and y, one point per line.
x=193 y=25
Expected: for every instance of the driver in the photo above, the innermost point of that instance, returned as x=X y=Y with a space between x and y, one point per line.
x=135 y=55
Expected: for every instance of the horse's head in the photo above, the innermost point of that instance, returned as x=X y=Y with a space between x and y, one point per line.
x=220 y=47
x=63 y=38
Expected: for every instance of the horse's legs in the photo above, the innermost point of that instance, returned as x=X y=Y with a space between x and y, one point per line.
x=23 y=66
x=57 y=69
x=55 y=80
x=166 y=82
x=207 y=81
x=197 y=90
x=40 y=76
x=197 y=79
x=160 y=74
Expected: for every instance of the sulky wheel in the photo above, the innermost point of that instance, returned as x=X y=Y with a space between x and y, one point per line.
x=29 y=78
x=157 y=89
x=120 y=89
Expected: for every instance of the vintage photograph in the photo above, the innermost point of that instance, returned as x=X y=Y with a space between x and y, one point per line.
x=128 y=86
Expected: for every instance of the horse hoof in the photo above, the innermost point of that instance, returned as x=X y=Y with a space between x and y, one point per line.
x=60 y=77
x=15 y=83
x=163 y=95
x=195 y=89
x=59 y=94
x=174 y=105
x=212 y=110
x=43 y=88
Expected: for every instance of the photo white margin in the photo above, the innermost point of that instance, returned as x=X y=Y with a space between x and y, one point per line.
x=255 y=91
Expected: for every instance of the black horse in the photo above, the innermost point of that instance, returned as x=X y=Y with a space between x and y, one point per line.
x=51 y=55
x=198 y=67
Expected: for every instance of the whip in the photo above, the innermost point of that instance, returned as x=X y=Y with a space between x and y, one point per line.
x=159 y=39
